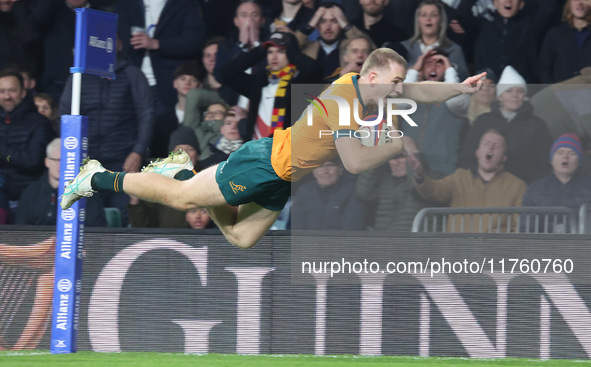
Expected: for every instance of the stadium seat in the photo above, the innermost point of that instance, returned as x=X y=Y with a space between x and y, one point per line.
x=113 y=216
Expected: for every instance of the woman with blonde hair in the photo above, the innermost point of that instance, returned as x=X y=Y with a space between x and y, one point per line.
x=430 y=33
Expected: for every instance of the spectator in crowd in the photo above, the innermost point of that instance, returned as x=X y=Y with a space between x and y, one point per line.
x=146 y=214
x=249 y=33
x=166 y=34
x=439 y=131
x=199 y=219
x=269 y=92
x=187 y=76
x=354 y=51
x=120 y=122
x=47 y=107
x=511 y=37
x=28 y=74
x=328 y=202
x=18 y=35
x=208 y=131
x=333 y=27
x=292 y=16
x=227 y=141
x=430 y=33
x=56 y=20
x=377 y=26
x=528 y=138
x=566 y=185
x=567 y=47
x=24 y=134
x=390 y=188
x=38 y=204
x=484 y=185
x=208 y=59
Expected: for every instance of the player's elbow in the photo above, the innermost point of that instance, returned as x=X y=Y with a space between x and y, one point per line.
x=354 y=167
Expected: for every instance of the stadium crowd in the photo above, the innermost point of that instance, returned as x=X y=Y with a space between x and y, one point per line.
x=206 y=76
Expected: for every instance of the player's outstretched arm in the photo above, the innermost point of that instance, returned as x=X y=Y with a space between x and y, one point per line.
x=358 y=158
x=432 y=92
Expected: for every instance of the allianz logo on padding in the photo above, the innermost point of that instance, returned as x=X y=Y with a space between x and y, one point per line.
x=107 y=44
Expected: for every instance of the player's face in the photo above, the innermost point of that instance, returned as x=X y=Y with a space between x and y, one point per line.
x=373 y=7
x=246 y=13
x=209 y=54
x=508 y=8
x=429 y=20
x=579 y=8
x=327 y=174
x=565 y=161
x=388 y=82
x=276 y=58
x=357 y=52
x=184 y=83
x=491 y=152
x=434 y=69
x=11 y=93
x=398 y=165
x=329 y=28
x=197 y=218
x=512 y=99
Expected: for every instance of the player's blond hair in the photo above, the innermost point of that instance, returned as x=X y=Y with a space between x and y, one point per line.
x=381 y=59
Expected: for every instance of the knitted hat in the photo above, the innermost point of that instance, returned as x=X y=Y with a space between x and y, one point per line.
x=183 y=135
x=510 y=78
x=567 y=141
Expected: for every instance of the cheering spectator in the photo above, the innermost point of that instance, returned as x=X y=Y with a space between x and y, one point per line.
x=249 y=33
x=165 y=34
x=430 y=33
x=484 y=185
x=328 y=202
x=269 y=92
x=354 y=52
x=38 y=204
x=24 y=134
x=512 y=37
x=528 y=138
x=567 y=48
x=439 y=134
x=566 y=185
x=332 y=27
x=377 y=26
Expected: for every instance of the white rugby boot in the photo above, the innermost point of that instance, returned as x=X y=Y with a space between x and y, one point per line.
x=171 y=165
x=80 y=186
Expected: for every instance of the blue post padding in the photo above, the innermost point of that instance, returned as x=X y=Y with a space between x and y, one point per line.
x=70 y=236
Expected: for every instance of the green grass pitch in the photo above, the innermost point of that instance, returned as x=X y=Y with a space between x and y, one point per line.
x=92 y=359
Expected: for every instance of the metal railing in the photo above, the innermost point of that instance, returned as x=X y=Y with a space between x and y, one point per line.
x=496 y=220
